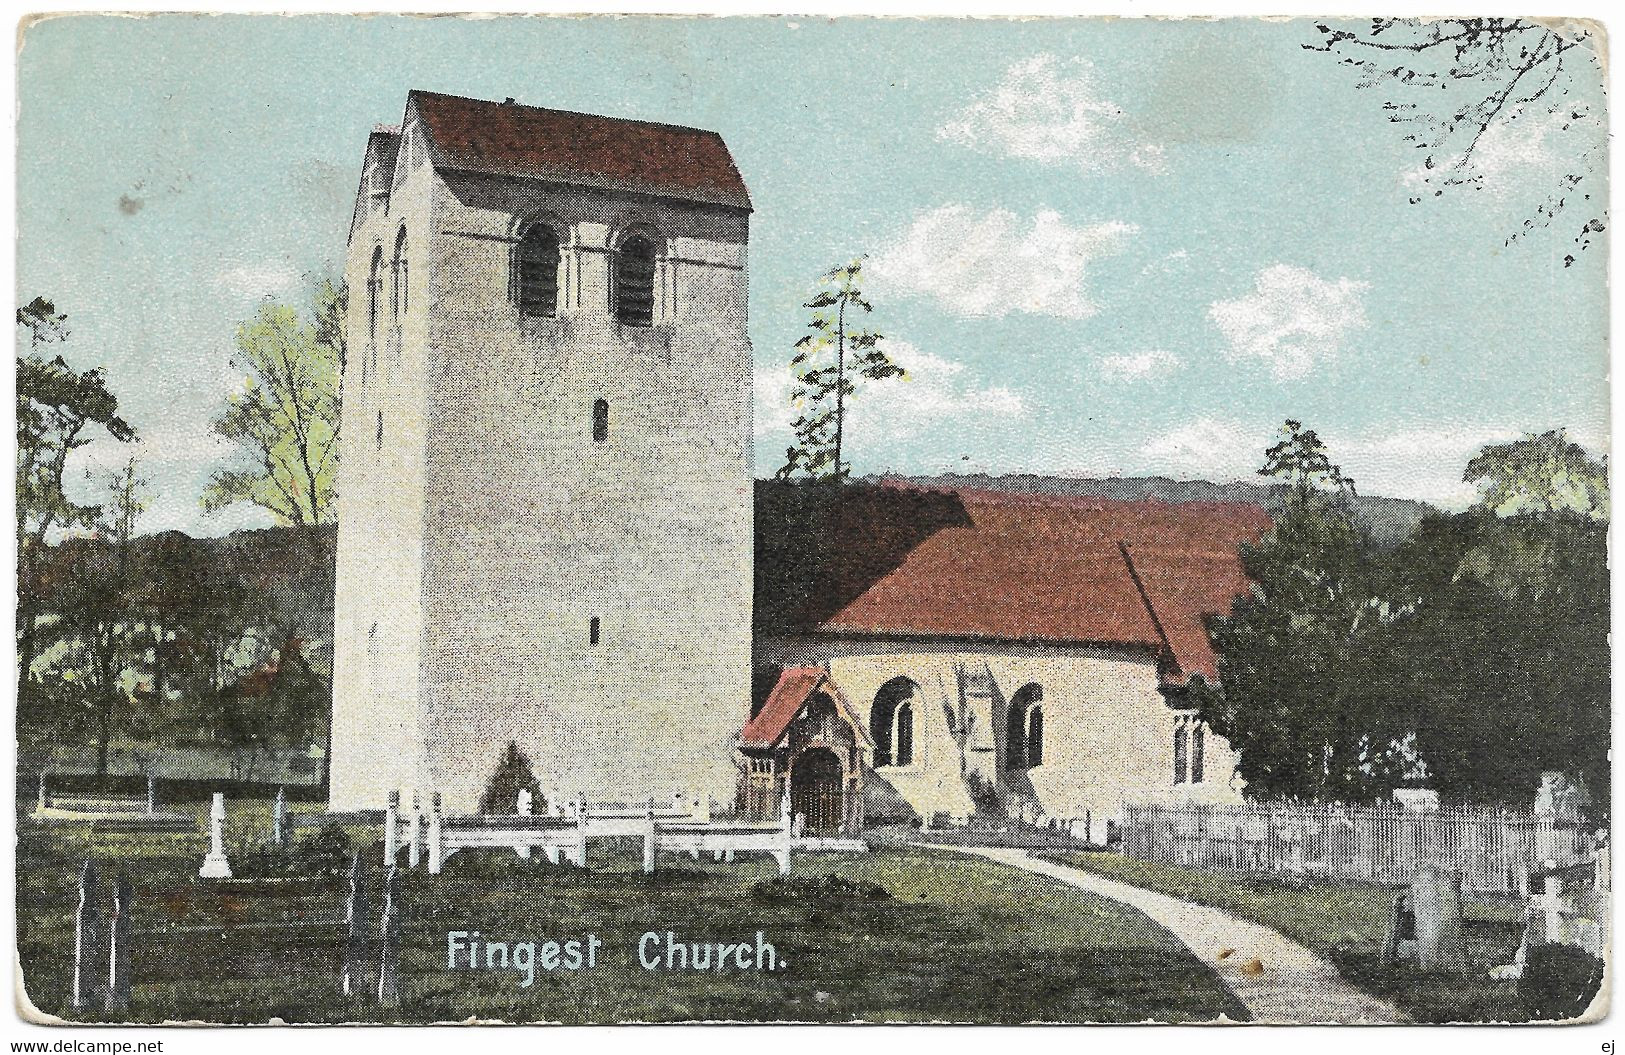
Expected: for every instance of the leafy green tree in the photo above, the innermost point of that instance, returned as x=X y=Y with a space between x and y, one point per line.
x=829 y=363
x=286 y=416
x=1540 y=474
x=59 y=411
x=1297 y=657
x=97 y=631
x=1499 y=657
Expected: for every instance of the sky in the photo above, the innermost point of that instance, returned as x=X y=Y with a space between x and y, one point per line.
x=1114 y=247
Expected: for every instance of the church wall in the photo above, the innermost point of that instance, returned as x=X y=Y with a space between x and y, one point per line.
x=532 y=527
x=1108 y=733
x=377 y=725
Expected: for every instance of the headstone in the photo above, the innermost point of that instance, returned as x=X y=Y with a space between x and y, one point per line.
x=522 y=806
x=392 y=809
x=87 y=940
x=355 y=919
x=1436 y=900
x=389 y=942
x=649 y=841
x=437 y=842
x=152 y=793
x=118 y=948
x=215 y=866
x=414 y=833
x=279 y=819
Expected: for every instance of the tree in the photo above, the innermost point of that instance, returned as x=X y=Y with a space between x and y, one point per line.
x=59 y=410
x=828 y=363
x=1540 y=474
x=97 y=630
x=1296 y=658
x=286 y=415
x=1458 y=82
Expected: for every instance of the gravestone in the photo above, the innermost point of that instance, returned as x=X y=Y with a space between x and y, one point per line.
x=118 y=948
x=87 y=945
x=279 y=819
x=355 y=919
x=389 y=944
x=215 y=865
x=1436 y=900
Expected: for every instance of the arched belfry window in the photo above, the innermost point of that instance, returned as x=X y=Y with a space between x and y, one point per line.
x=375 y=284
x=536 y=284
x=635 y=281
x=398 y=302
x=891 y=723
x=1024 y=729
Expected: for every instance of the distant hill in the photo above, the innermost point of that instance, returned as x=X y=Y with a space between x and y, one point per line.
x=1390 y=520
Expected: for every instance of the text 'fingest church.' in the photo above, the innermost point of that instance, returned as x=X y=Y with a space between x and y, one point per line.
x=550 y=532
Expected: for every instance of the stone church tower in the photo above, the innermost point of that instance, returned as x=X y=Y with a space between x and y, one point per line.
x=545 y=485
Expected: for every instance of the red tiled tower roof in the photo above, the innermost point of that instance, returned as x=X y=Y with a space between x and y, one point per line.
x=608 y=153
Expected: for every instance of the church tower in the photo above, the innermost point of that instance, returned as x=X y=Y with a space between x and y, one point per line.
x=545 y=481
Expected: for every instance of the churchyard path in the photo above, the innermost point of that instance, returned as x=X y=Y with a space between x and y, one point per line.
x=1277 y=979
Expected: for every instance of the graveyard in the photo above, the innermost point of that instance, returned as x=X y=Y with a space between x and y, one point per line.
x=901 y=933
x=1346 y=921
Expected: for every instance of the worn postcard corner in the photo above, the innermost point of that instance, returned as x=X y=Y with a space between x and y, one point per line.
x=501 y=541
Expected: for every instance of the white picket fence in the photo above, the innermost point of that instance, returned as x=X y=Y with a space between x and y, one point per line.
x=562 y=835
x=1495 y=851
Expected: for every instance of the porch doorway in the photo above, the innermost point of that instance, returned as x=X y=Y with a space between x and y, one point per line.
x=818 y=790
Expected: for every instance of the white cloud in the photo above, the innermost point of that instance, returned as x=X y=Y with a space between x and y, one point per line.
x=1052 y=111
x=935 y=391
x=1291 y=319
x=1143 y=366
x=1215 y=450
x=260 y=280
x=991 y=264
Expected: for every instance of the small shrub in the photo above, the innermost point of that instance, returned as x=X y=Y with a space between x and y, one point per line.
x=822 y=888
x=325 y=851
x=1559 y=981
x=513 y=773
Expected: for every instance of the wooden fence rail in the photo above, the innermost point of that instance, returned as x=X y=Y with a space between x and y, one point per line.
x=1494 y=851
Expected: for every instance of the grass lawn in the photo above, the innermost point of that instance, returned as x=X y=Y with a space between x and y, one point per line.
x=1346 y=922
x=958 y=939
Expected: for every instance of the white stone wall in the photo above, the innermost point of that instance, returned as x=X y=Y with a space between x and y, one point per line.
x=378 y=612
x=1108 y=732
x=533 y=528
x=492 y=527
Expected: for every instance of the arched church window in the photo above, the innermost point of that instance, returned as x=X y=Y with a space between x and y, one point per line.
x=904 y=739
x=537 y=282
x=398 y=265
x=1180 y=734
x=891 y=723
x=635 y=281
x=600 y=420
x=1197 y=736
x=374 y=291
x=1020 y=750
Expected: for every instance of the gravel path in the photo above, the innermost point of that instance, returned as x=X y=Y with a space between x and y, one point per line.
x=1277 y=979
